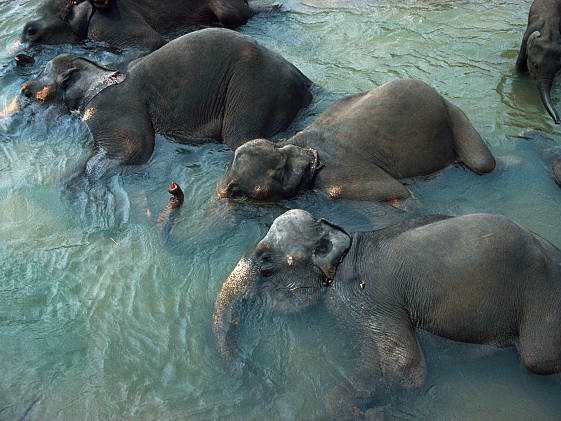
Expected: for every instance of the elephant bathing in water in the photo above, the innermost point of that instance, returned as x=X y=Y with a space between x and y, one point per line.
x=477 y=278
x=209 y=85
x=540 y=52
x=127 y=23
x=360 y=148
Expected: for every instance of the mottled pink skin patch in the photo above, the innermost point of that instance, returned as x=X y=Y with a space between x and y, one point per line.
x=335 y=192
x=43 y=94
x=89 y=113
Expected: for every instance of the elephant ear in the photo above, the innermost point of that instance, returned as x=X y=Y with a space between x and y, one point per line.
x=80 y=18
x=533 y=37
x=331 y=248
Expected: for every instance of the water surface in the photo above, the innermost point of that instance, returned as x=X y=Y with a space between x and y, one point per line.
x=99 y=319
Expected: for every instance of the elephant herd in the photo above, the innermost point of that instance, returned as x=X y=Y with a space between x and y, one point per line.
x=476 y=278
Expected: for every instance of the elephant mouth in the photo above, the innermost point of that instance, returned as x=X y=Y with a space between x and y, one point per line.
x=314 y=168
x=113 y=79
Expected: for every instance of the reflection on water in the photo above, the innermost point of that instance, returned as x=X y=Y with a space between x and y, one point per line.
x=98 y=316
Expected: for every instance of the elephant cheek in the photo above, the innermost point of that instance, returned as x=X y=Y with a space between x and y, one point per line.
x=45 y=94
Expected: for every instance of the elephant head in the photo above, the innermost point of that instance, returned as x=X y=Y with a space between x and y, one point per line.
x=544 y=61
x=71 y=81
x=58 y=22
x=289 y=268
x=262 y=170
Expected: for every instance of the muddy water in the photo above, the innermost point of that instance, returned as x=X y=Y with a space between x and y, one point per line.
x=99 y=319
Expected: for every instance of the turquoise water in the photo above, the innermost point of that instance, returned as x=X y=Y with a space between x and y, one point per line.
x=99 y=319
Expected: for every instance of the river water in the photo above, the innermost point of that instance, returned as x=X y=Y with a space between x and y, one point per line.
x=100 y=319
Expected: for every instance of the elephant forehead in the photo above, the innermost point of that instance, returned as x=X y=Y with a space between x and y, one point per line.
x=295 y=230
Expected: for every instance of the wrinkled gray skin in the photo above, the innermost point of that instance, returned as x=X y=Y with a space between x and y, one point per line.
x=128 y=23
x=360 y=148
x=540 y=52
x=476 y=278
x=210 y=85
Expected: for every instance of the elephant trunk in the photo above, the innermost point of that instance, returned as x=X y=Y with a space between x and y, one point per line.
x=544 y=87
x=236 y=290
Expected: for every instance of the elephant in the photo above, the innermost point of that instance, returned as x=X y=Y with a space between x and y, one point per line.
x=477 y=278
x=209 y=85
x=128 y=23
x=540 y=52
x=360 y=147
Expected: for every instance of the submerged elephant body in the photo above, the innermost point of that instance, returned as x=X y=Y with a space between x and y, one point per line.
x=540 y=52
x=128 y=23
x=476 y=278
x=238 y=92
x=361 y=147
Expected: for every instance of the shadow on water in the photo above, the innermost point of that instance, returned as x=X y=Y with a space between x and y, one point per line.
x=101 y=317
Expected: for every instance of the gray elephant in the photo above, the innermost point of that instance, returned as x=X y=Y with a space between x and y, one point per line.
x=476 y=278
x=540 y=52
x=209 y=85
x=360 y=148
x=128 y=23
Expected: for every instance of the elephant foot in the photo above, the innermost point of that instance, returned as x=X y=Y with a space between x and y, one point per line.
x=24 y=59
x=395 y=203
x=344 y=402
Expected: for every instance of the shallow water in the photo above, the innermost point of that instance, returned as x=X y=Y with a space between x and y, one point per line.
x=99 y=319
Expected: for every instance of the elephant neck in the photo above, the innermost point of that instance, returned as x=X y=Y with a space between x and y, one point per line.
x=99 y=86
x=308 y=138
x=349 y=283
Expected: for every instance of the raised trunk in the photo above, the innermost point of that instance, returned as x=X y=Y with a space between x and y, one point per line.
x=544 y=87
x=227 y=311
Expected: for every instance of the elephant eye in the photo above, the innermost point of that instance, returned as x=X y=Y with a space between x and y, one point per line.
x=267 y=272
x=266 y=264
x=31 y=30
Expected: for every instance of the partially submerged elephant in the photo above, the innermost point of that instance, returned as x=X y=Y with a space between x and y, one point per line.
x=360 y=148
x=209 y=85
x=540 y=52
x=476 y=278
x=128 y=23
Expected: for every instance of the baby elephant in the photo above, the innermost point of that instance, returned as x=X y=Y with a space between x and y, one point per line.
x=210 y=85
x=360 y=148
x=477 y=278
x=540 y=52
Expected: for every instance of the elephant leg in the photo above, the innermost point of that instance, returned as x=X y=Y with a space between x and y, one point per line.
x=401 y=359
x=539 y=341
x=375 y=185
x=470 y=148
x=390 y=359
x=131 y=31
x=230 y=13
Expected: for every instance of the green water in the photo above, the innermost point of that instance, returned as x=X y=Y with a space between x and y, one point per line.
x=99 y=319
